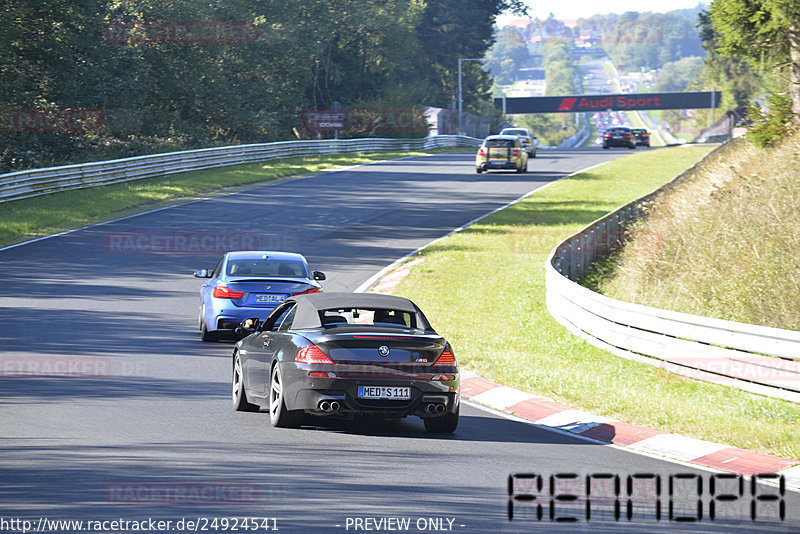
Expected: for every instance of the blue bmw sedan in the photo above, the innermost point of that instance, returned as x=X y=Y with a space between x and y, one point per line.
x=247 y=284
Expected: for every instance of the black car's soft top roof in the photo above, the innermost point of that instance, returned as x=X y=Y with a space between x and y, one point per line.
x=309 y=306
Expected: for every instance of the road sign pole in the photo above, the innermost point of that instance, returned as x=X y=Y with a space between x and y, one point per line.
x=460 y=100
x=713 y=111
x=459 y=97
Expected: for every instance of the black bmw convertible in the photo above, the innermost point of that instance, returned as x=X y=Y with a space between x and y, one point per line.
x=346 y=354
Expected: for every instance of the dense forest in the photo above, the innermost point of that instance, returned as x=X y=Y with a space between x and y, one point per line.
x=98 y=79
x=633 y=40
x=647 y=40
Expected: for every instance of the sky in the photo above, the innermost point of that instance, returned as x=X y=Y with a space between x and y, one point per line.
x=575 y=9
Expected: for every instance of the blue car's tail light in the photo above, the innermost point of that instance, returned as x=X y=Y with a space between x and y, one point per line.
x=223 y=292
x=307 y=291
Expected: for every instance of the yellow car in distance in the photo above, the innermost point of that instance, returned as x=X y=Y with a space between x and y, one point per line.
x=501 y=152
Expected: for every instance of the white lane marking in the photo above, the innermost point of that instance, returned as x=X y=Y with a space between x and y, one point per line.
x=249 y=186
x=389 y=268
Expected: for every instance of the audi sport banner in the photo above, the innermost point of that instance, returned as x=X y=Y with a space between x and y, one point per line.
x=631 y=101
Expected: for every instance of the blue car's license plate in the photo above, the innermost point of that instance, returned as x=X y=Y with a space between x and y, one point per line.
x=270 y=298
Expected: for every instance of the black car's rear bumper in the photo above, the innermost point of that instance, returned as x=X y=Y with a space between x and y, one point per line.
x=619 y=143
x=302 y=392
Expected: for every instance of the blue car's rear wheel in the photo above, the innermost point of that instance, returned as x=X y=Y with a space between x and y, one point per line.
x=205 y=335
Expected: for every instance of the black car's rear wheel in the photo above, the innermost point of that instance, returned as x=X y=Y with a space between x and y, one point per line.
x=278 y=414
x=240 y=402
x=445 y=424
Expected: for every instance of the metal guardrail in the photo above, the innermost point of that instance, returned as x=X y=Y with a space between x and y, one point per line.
x=36 y=182
x=758 y=359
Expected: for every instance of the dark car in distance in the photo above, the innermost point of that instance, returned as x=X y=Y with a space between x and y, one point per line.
x=642 y=136
x=344 y=355
x=619 y=136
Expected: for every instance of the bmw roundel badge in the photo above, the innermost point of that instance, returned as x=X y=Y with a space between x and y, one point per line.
x=383 y=350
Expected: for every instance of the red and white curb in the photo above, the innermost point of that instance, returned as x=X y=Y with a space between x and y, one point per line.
x=386 y=284
x=545 y=412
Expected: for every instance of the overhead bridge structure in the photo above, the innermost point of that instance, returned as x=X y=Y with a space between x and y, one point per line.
x=609 y=102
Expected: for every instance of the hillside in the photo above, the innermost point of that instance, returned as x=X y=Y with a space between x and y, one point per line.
x=722 y=242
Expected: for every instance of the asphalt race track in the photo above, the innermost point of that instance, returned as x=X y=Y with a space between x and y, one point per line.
x=149 y=432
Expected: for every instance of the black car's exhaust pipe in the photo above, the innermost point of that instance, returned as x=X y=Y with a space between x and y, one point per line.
x=435 y=408
x=329 y=406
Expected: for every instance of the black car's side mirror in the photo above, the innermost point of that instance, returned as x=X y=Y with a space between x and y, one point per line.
x=202 y=273
x=319 y=275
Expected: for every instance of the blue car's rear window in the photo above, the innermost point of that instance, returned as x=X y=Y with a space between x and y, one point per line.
x=260 y=267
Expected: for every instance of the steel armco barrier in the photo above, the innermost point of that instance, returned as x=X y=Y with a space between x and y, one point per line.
x=758 y=359
x=36 y=182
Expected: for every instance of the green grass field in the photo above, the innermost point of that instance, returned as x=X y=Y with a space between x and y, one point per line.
x=49 y=214
x=483 y=288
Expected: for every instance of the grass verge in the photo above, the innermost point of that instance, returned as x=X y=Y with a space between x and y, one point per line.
x=483 y=288
x=34 y=217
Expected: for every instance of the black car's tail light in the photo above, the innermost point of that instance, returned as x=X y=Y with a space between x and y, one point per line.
x=446 y=358
x=444 y=377
x=307 y=291
x=321 y=374
x=223 y=292
x=312 y=354
x=401 y=338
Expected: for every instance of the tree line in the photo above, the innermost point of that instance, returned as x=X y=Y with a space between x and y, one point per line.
x=155 y=75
